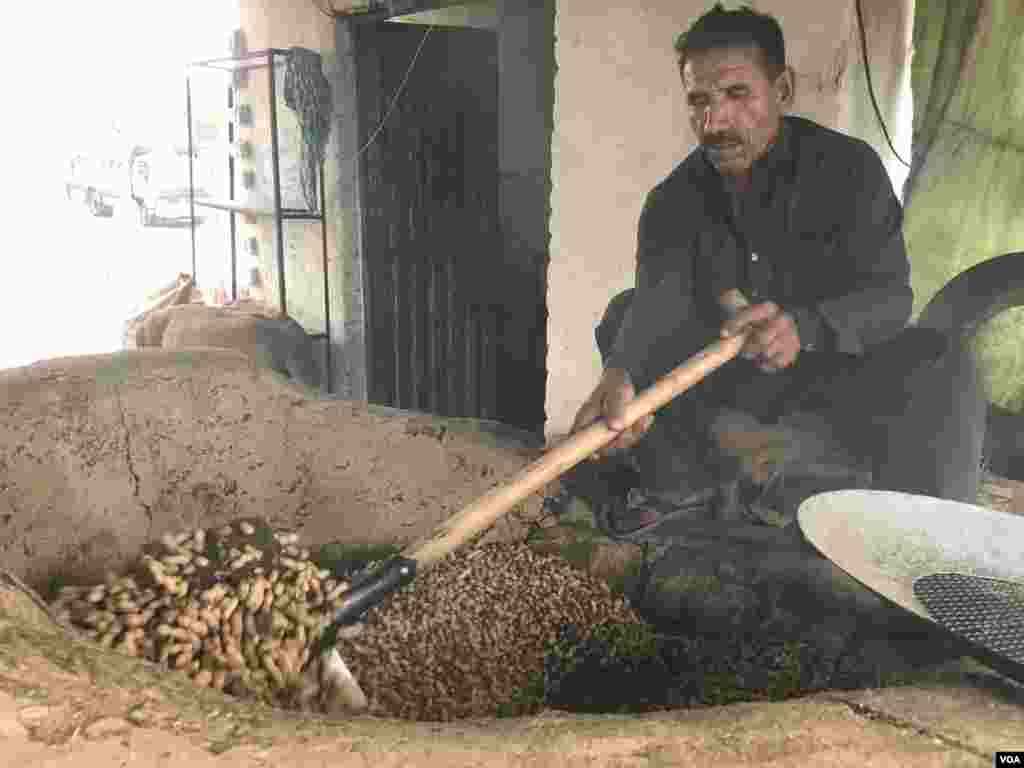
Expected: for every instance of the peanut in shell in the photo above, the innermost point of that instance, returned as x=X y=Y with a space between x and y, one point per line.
x=218 y=679
x=227 y=608
x=235 y=659
x=235 y=625
x=272 y=669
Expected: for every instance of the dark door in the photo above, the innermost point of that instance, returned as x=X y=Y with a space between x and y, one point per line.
x=429 y=200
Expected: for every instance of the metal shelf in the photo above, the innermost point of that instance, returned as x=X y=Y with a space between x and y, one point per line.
x=295 y=214
x=265 y=58
x=234 y=207
x=250 y=60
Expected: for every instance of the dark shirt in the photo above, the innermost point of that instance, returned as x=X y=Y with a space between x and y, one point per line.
x=818 y=231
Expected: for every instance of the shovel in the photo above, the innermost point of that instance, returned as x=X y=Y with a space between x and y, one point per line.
x=400 y=570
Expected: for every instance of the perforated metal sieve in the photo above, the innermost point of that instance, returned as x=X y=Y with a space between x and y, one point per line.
x=988 y=612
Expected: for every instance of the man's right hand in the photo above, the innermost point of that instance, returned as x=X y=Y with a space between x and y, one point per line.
x=608 y=401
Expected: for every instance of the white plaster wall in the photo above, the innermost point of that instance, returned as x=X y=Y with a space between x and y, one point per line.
x=620 y=127
x=279 y=24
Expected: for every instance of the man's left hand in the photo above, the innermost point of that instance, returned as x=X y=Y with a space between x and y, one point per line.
x=773 y=343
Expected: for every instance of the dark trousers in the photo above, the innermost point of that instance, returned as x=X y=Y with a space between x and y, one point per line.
x=910 y=408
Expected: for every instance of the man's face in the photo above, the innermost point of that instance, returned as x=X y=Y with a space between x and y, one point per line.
x=735 y=108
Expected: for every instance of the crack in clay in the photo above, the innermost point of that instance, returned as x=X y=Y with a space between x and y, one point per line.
x=875 y=715
x=130 y=461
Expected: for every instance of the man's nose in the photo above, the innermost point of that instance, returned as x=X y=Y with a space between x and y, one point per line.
x=716 y=117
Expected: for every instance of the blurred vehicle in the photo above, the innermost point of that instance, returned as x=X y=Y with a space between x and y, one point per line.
x=96 y=182
x=160 y=185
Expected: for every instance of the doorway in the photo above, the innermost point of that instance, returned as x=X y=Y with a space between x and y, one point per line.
x=454 y=304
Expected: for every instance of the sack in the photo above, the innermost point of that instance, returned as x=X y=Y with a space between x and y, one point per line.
x=181 y=291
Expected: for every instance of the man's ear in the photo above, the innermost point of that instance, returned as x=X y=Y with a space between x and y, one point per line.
x=786 y=88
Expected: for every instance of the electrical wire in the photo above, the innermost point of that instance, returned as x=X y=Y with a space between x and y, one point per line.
x=412 y=64
x=871 y=87
x=398 y=91
x=394 y=99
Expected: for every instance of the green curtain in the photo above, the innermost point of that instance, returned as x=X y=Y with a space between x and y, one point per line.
x=964 y=196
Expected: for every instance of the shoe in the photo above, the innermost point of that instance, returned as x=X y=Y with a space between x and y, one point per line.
x=757 y=454
x=749 y=458
x=643 y=509
x=633 y=515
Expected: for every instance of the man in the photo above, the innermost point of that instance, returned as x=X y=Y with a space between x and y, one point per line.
x=804 y=221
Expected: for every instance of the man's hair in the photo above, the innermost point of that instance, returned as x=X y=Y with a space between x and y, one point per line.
x=742 y=28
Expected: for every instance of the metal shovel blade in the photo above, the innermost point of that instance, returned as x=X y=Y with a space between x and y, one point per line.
x=957 y=565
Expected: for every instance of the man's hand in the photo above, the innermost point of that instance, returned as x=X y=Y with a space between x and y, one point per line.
x=773 y=343
x=608 y=401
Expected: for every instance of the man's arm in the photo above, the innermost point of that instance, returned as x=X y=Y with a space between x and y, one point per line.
x=658 y=331
x=627 y=363
x=662 y=289
x=879 y=302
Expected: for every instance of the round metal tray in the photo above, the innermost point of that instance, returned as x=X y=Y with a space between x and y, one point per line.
x=958 y=565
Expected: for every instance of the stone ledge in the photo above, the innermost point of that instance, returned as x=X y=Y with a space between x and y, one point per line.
x=102 y=452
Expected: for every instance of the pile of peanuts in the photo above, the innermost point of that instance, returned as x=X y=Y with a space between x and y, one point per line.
x=236 y=608
x=239 y=609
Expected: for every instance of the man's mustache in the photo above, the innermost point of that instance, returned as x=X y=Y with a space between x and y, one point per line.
x=714 y=141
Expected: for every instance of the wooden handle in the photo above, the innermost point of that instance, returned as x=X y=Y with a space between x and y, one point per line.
x=485 y=511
